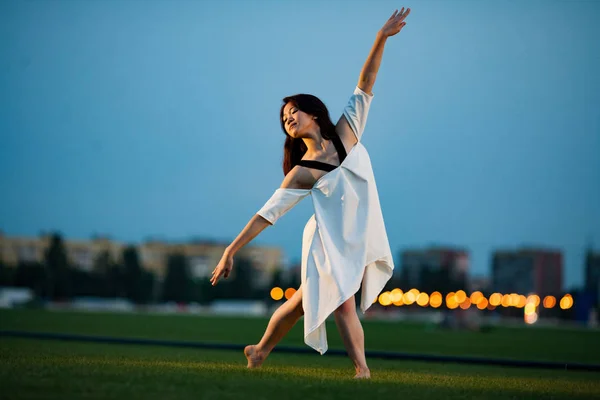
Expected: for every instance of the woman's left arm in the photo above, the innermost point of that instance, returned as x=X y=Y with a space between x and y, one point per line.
x=256 y=225
x=368 y=74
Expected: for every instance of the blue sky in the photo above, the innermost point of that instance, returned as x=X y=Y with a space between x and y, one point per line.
x=160 y=119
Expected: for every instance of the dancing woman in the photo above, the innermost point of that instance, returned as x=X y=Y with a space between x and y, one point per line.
x=344 y=244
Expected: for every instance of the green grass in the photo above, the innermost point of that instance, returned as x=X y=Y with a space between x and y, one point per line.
x=47 y=369
x=528 y=343
x=59 y=370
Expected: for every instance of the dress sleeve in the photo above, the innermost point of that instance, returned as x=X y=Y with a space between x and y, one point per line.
x=281 y=202
x=356 y=111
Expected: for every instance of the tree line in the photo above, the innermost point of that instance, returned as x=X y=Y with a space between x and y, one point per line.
x=54 y=278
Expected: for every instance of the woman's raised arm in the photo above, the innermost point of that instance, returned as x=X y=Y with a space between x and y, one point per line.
x=368 y=74
x=354 y=118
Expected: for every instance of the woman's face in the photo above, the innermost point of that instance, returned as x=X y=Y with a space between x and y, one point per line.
x=297 y=122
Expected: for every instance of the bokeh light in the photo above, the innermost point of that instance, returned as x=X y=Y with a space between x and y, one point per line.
x=505 y=300
x=495 y=299
x=409 y=297
x=522 y=301
x=277 y=293
x=529 y=308
x=451 y=301
x=549 y=301
x=289 y=292
x=396 y=297
x=483 y=303
x=476 y=297
x=460 y=296
x=513 y=300
x=465 y=304
x=566 y=302
x=423 y=299
x=384 y=299
x=531 y=318
x=435 y=300
x=534 y=298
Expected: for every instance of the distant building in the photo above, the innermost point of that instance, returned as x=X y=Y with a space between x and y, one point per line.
x=592 y=274
x=434 y=268
x=527 y=270
x=479 y=283
x=80 y=253
x=202 y=256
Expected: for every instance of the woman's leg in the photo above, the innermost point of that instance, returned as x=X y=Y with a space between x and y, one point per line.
x=353 y=336
x=282 y=320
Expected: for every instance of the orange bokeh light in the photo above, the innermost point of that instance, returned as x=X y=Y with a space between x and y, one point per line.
x=476 y=297
x=277 y=293
x=495 y=299
x=465 y=304
x=514 y=300
x=549 y=301
x=384 y=299
x=435 y=300
x=423 y=299
x=409 y=298
x=566 y=302
x=483 y=303
x=289 y=292
x=396 y=295
x=460 y=296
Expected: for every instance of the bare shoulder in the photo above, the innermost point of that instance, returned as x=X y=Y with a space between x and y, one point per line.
x=345 y=132
x=298 y=178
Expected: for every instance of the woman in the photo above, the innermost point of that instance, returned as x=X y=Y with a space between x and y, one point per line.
x=344 y=244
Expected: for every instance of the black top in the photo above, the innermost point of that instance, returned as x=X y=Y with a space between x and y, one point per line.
x=339 y=147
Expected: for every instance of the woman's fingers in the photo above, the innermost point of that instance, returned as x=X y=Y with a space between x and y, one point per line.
x=215 y=277
x=402 y=16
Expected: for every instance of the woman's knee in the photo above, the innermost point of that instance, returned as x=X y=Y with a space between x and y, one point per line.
x=347 y=308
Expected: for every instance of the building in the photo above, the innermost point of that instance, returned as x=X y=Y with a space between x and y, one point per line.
x=434 y=268
x=202 y=256
x=80 y=253
x=592 y=275
x=527 y=270
x=479 y=283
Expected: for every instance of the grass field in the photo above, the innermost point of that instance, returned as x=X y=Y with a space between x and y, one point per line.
x=53 y=369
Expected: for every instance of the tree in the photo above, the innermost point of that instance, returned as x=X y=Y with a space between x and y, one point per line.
x=31 y=275
x=103 y=268
x=242 y=284
x=57 y=267
x=177 y=283
x=277 y=280
x=6 y=274
x=132 y=274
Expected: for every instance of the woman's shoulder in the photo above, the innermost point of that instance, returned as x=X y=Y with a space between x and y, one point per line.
x=298 y=178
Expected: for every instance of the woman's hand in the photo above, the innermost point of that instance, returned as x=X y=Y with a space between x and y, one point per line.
x=395 y=23
x=222 y=269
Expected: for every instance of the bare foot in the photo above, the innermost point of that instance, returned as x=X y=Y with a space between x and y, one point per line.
x=364 y=374
x=255 y=358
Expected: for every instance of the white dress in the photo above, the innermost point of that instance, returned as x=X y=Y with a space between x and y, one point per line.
x=345 y=242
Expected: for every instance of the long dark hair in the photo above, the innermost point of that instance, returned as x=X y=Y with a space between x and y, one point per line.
x=294 y=149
